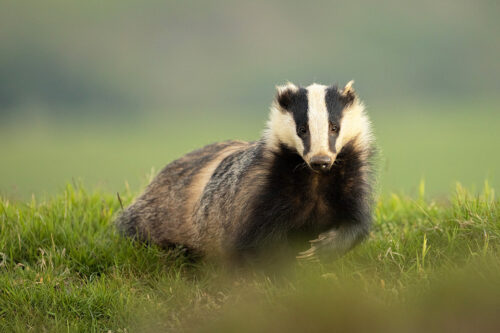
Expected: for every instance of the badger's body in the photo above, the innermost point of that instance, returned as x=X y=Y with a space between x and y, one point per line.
x=308 y=177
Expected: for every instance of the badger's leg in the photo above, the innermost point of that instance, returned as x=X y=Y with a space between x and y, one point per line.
x=334 y=243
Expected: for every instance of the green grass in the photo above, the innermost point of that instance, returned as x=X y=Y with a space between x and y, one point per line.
x=428 y=264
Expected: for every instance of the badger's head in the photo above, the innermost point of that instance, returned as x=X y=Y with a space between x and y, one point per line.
x=317 y=121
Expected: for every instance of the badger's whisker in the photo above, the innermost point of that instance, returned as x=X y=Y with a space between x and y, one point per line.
x=300 y=166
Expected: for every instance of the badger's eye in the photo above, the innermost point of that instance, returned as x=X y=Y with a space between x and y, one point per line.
x=334 y=128
x=302 y=130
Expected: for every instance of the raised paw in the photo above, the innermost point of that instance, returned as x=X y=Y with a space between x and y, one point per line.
x=327 y=245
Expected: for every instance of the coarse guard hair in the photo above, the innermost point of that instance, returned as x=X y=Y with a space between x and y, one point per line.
x=304 y=188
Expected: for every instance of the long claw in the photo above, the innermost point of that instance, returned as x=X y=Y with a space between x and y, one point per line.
x=307 y=258
x=308 y=254
x=319 y=239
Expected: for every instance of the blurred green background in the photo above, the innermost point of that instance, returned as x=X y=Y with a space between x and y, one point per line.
x=107 y=91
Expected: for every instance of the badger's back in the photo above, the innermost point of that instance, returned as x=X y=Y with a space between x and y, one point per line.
x=164 y=213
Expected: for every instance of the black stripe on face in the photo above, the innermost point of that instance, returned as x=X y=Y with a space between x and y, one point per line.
x=335 y=105
x=296 y=102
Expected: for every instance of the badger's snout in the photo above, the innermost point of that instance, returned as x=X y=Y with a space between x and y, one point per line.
x=321 y=163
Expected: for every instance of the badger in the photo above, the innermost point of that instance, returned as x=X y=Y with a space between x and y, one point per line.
x=304 y=188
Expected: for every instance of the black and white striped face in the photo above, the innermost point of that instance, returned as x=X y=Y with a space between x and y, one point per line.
x=317 y=121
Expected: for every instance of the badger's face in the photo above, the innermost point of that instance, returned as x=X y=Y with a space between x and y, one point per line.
x=317 y=121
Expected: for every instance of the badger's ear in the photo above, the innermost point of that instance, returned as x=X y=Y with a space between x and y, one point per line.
x=348 y=94
x=284 y=95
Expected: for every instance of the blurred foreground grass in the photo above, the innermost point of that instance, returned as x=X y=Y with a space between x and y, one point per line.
x=428 y=265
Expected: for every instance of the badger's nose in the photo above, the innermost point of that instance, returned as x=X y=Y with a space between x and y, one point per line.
x=321 y=163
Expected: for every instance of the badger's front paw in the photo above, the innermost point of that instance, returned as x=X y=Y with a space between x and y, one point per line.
x=332 y=244
x=327 y=245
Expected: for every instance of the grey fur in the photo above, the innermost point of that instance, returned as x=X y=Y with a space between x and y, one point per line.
x=160 y=215
x=228 y=198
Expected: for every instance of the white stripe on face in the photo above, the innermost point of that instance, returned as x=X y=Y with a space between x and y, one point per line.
x=318 y=122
